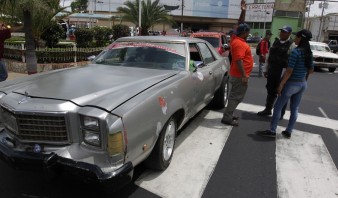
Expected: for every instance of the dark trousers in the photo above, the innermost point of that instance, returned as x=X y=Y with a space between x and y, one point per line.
x=272 y=84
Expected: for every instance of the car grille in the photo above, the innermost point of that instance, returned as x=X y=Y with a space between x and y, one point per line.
x=35 y=127
x=326 y=60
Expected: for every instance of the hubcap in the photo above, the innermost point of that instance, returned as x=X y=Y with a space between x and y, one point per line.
x=169 y=140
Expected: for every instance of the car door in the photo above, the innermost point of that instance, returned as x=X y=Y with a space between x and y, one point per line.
x=206 y=70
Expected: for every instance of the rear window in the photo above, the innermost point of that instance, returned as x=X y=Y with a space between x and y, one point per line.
x=212 y=40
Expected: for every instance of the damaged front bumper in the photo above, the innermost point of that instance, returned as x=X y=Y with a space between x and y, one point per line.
x=52 y=163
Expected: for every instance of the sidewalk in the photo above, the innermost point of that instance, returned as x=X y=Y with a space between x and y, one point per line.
x=12 y=75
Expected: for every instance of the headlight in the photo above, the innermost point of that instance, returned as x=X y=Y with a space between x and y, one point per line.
x=91 y=130
x=90 y=123
x=92 y=138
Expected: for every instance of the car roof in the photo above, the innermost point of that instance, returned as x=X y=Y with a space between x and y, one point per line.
x=318 y=43
x=160 y=39
x=207 y=33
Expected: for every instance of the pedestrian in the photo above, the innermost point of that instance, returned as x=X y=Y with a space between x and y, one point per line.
x=276 y=62
x=264 y=50
x=240 y=69
x=293 y=83
x=4 y=34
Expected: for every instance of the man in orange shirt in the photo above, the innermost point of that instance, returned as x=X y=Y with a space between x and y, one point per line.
x=264 y=50
x=240 y=69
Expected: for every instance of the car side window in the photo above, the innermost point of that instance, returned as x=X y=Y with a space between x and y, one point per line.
x=223 y=40
x=194 y=53
x=206 y=53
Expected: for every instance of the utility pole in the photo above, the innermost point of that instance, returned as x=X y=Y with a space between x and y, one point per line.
x=324 y=5
x=182 y=6
x=139 y=16
x=110 y=16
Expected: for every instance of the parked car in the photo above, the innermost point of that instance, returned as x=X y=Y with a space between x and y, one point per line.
x=101 y=120
x=333 y=44
x=323 y=57
x=253 y=39
x=216 y=39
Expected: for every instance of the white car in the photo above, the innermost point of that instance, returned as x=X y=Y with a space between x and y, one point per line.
x=323 y=57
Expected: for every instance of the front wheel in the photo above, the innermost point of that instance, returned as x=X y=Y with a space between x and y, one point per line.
x=163 y=151
x=221 y=95
x=331 y=69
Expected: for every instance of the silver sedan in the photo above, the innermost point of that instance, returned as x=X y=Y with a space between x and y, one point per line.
x=101 y=120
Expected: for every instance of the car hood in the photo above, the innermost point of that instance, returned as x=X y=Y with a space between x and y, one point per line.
x=95 y=85
x=324 y=54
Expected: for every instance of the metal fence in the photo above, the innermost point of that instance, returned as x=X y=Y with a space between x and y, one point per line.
x=67 y=54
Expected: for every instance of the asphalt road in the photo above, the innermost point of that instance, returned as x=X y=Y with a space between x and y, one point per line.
x=245 y=165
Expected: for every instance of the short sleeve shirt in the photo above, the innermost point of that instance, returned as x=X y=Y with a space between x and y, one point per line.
x=240 y=50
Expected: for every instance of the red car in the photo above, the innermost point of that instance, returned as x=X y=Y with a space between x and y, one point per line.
x=216 y=39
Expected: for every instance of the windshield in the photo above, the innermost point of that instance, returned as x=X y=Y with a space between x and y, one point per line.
x=322 y=48
x=212 y=40
x=169 y=56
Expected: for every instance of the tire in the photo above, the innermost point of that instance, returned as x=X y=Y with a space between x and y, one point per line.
x=221 y=95
x=331 y=69
x=163 y=151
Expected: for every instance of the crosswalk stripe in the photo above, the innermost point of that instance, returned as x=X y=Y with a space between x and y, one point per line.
x=303 y=164
x=305 y=167
x=197 y=151
x=302 y=118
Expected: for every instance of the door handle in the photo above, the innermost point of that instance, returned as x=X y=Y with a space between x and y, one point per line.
x=210 y=72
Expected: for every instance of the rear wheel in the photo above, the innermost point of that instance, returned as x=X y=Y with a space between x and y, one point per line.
x=163 y=151
x=331 y=69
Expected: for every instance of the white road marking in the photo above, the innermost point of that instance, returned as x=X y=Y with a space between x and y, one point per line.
x=305 y=167
x=197 y=151
x=302 y=118
x=325 y=115
x=303 y=164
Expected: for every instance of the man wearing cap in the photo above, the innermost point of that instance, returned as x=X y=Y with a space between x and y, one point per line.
x=264 y=49
x=240 y=69
x=276 y=62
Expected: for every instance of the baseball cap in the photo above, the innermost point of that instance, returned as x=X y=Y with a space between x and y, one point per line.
x=286 y=28
x=243 y=27
x=268 y=32
x=304 y=33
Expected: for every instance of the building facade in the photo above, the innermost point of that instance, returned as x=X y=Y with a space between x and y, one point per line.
x=211 y=15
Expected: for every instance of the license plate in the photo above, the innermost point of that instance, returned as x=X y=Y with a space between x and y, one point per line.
x=10 y=121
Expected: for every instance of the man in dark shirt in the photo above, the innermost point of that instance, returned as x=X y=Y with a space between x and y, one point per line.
x=4 y=34
x=276 y=62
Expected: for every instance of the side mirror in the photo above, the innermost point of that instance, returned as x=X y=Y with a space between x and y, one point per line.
x=91 y=58
x=226 y=47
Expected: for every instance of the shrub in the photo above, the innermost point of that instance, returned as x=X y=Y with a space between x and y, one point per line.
x=120 y=31
x=84 y=37
x=102 y=35
x=52 y=34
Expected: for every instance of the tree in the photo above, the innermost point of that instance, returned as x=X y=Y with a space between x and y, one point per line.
x=79 y=6
x=34 y=14
x=152 y=13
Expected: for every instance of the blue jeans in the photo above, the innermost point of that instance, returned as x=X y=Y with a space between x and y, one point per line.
x=292 y=91
x=3 y=71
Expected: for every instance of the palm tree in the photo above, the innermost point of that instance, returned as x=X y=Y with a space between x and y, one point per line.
x=152 y=13
x=28 y=11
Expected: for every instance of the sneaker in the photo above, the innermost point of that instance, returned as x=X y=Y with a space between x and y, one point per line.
x=232 y=122
x=286 y=134
x=264 y=113
x=235 y=118
x=266 y=133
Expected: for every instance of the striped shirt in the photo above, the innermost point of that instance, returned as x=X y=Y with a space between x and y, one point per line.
x=297 y=63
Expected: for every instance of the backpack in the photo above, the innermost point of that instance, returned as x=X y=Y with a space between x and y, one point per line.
x=258 y=48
